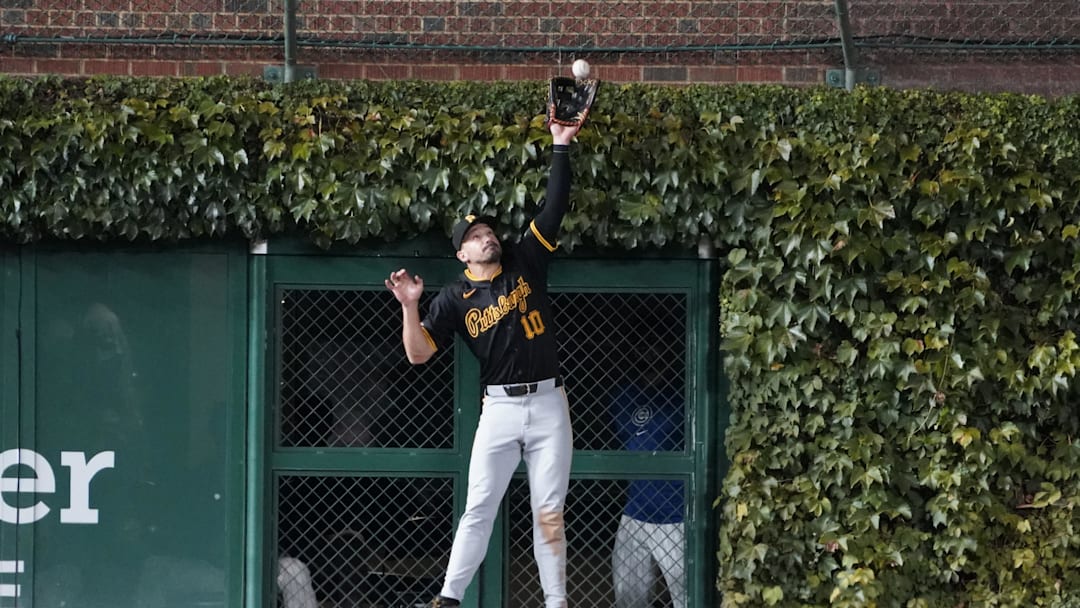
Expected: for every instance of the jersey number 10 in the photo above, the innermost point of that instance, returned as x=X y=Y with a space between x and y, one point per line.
x=533 y=324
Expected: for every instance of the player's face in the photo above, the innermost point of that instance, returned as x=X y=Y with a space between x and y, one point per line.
x=480 y=246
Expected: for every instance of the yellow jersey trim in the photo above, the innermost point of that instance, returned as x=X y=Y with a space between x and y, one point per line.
x=540 y=237
x=430 y=340
x=473 y=277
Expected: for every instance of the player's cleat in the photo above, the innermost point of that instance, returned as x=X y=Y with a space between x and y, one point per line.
x=442 y=602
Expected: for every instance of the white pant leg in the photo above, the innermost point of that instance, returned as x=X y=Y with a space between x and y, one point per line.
x=668 y=549
x=496 y=452
x=548 y=452
x=294 y=583
x=631 y=566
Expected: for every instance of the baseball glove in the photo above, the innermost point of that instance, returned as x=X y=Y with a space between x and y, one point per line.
x=570 y=100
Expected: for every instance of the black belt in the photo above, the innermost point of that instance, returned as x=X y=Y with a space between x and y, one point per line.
x=520 y=390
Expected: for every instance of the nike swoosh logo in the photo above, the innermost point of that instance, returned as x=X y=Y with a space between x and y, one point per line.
x=468 y=294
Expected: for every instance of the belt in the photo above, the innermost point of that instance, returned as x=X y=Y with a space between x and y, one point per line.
x=520 y=390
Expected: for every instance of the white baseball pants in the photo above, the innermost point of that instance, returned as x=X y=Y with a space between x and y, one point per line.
x=294 y=584
x=537 y=427
x=640 y=548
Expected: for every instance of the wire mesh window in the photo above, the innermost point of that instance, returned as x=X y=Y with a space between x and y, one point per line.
x=624 y=358
x=344 y=378
x=625 y=546
x=380 y=541
x=362 y=542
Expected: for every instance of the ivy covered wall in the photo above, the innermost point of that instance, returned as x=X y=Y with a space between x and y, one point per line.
x=897 y=308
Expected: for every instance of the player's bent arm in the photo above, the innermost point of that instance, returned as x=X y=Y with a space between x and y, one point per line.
x=419 y=347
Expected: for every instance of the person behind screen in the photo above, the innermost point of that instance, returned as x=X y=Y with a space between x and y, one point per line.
x=294 y=584
x=648 y=415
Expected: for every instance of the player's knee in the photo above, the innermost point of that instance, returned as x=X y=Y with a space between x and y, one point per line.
x=552 y=526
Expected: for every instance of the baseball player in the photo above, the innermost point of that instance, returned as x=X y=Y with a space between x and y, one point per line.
x=500 y=307
x=648 y=416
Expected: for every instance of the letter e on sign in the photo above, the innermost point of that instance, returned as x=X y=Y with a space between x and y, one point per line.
x=43 y=482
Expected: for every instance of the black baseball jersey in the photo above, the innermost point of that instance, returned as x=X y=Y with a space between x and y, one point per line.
x=507 y=320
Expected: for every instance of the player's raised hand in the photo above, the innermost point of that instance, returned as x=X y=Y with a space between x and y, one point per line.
x=563 y=134
x=406 y=288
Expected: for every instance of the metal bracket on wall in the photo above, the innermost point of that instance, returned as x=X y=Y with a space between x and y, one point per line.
x=276 y=73
x=835 y=78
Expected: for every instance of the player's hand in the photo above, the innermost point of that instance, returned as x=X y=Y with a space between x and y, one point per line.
x=407 y=289
x=563 y=134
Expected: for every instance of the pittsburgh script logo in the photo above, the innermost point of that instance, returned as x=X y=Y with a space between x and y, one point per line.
x=478 y=320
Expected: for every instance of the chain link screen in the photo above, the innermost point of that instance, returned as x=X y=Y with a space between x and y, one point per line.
x=466 y=31
x=364 y=542
x=971 y=24
x=345 y=381
x=609 y=553
x=1031 y=46
x=609 y=343
x=379 y=541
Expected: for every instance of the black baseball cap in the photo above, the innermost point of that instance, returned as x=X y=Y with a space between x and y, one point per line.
x=469 y=221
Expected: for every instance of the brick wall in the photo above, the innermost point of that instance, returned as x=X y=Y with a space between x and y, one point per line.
x=659 y=41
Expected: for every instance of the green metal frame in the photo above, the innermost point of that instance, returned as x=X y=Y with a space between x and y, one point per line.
x=255 y=567
x=26 y=417
x=713 y=416
x=239 y=314
x=284 y=268
x=284 y=272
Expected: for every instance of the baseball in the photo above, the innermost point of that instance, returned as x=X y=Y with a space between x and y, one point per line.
x=581 y=69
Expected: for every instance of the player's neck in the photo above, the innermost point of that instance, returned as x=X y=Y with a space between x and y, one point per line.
x=483 y=271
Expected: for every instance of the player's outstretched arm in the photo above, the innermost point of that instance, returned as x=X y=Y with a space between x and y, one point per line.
x=557 y=199
x=408 y=289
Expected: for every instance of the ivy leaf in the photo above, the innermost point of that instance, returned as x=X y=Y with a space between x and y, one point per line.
x=784 y=147
x=664 y=180
x=239 y=158
x=877 y=213
x=1019 y=258
x=301 y=151
x=755 y=181
x=910 y=153
x=435 y=179
x=791 y=243
x=846 y=354
x=1042 y=357
x=273 y=149
x=781 y=312
x=772 y=595
x=736 y=342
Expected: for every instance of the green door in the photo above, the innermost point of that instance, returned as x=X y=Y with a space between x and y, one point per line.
x=368 y=454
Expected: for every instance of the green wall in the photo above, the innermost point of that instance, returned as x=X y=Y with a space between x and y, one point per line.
x=129 y=418
x=137 y=428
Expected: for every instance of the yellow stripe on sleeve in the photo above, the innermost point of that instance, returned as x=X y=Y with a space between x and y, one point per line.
x=540 y=237
x=430 y=340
